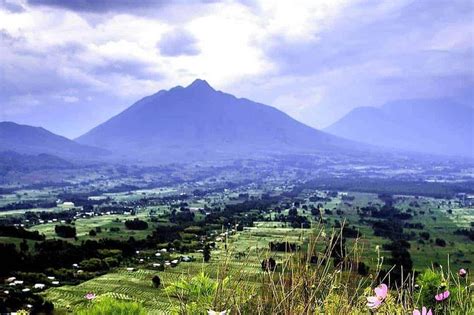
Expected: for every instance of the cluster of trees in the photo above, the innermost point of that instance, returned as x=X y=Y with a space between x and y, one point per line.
x=185 y=216
x=28 y=205
x=295 y=220
x=65 y=231
x=20 y=232
x=390 y=225
x=136 y=224
x=466 y=232
x=46 y=253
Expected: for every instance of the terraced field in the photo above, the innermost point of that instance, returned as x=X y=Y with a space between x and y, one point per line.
x=137 y=285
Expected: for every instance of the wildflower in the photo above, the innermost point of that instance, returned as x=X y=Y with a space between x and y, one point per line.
x=462 y=272
x=90 y=296
x=211 y=312
x=380 y=294
x=424 y=311
x=442 y=296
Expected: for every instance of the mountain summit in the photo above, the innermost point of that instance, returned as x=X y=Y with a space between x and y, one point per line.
x=199 y=84
x=197 y=122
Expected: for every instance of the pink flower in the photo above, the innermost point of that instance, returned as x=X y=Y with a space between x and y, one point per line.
x=423 y=312
x=90 y=296
x=380 y=294
x=462 y=272
x=442 y=296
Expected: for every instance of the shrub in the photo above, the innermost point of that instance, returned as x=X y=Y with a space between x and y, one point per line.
x=156 y=281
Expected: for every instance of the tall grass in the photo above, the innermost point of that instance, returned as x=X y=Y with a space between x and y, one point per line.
x=318 y=278
x=110 y=306
x=301 y=286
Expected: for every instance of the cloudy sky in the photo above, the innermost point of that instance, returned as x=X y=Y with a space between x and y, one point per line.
x=69 y=65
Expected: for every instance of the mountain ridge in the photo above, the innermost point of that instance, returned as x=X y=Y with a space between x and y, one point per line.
x=442 y=127
x=33 y=140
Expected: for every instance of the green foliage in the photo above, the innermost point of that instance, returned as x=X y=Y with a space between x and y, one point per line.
x=93 y=264
x=109 y=306
x=432 y=282
x=196 y=294
x=429 y=283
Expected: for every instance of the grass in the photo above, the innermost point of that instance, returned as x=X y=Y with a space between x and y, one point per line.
x=84 y=225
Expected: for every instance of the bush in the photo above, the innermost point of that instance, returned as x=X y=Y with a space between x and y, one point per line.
x=156 y=281
x=106 y=306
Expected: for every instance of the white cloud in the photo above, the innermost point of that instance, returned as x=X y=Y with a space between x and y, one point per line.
x=314 y=59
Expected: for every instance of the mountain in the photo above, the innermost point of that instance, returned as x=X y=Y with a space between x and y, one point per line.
x=36 y=140
x=428 y=126
x=197 y=122
x=15 y=162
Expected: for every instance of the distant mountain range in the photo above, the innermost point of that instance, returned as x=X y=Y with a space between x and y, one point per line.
x=199 y=123
x=428 y=126
x=36 y=140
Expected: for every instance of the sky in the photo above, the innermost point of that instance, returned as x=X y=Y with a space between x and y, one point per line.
x=69 y=65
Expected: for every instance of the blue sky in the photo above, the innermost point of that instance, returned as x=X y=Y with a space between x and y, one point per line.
x=69 y=65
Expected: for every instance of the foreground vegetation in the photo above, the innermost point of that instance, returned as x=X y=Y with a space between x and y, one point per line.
x=296 y=284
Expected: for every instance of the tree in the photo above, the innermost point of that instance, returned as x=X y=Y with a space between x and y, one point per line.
x=24 y=246
x=156 y=281
x=268 y=264
x=207 y=253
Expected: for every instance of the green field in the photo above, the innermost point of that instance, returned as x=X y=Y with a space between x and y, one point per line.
x=243 y=251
